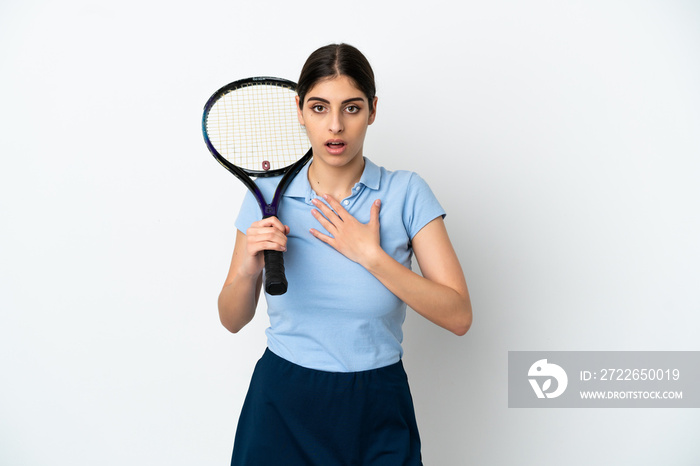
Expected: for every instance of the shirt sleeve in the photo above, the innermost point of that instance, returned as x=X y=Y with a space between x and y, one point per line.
x=249 y=212
x=421 y=206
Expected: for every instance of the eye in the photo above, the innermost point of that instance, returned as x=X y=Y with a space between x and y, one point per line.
x=352 y=109
x=318 y=108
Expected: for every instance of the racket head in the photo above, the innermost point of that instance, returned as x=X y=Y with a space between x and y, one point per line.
x=251 y=127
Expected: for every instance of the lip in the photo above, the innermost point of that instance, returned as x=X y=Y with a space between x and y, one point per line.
x=335 y=146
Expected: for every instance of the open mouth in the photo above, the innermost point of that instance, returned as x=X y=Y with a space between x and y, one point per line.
x=335 y=146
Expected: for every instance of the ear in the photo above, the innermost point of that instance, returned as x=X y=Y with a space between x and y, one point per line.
x=300 y=117
x=374 y=111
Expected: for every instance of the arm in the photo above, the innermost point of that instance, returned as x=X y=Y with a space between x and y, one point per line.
x=239 y=297
x=440 y=295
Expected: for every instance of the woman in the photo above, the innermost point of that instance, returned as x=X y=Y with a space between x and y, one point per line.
x=330 y=388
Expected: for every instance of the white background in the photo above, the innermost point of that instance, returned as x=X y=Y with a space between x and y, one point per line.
x=561 y=137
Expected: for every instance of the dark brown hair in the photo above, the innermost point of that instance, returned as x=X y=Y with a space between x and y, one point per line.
x=337 y=60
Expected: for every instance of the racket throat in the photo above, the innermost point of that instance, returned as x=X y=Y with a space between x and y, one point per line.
x=270 y=211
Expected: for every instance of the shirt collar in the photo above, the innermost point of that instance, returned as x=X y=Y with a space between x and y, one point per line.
x=300 y=187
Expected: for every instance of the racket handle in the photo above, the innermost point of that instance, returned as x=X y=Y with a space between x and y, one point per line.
x=275 y=281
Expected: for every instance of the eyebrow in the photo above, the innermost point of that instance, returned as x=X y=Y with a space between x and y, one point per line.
x=346 y=101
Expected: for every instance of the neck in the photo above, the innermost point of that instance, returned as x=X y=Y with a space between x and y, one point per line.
x=335 y=181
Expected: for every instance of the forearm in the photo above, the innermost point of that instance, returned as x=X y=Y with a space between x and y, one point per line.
x=445 y=306
x=238 y=300
x=239 y=297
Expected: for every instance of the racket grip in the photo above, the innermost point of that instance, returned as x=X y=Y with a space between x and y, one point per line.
x=275 y=281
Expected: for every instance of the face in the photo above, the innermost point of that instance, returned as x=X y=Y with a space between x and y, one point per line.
x=336 y=115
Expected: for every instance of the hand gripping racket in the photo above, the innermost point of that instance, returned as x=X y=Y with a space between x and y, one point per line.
x=250 y=126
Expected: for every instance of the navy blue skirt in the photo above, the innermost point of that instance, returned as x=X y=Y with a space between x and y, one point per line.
x=294 y=416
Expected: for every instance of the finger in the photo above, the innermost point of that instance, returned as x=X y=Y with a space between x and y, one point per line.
x=271 y=222
x=260 y=243
x=266 y=237
x=327 y=211
x=267 y=246
x=374 y=212
x=325 y=238
x=327 y=224
x=268 y=240
x=335 y=205
x=266 y=232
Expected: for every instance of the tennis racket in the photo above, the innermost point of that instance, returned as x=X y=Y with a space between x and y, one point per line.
x=250 y=126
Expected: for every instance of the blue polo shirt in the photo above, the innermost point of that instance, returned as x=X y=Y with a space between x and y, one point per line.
x=336 y=316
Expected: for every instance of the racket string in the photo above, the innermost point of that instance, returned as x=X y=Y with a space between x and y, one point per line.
x=256 y=127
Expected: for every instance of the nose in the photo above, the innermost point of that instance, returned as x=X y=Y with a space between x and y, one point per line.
x=336 y=123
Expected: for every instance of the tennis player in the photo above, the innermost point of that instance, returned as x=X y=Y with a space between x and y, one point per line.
x=330 y=388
